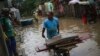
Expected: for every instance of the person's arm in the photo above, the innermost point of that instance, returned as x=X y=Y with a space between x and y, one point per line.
x=43 y=30
x=58 y=28
x=52 y=7
x=57 y=24
x=4 y=35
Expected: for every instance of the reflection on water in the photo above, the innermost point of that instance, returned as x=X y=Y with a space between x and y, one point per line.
x=66 y=22
x=88 y=48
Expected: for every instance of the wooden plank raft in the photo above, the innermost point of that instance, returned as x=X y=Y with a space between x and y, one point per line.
x=58 y=42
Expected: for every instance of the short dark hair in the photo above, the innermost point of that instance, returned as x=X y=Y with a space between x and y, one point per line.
x=50 y=13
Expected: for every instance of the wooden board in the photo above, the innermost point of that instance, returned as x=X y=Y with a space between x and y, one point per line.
x=59 y=40
x=53 y=40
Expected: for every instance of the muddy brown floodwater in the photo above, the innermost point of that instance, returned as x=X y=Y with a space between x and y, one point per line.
x=66 y=22
x=95 y=28
x=31 y=38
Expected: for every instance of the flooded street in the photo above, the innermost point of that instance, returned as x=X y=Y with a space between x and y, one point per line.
x=25 y=32
x=65 y=23
x=31 y=39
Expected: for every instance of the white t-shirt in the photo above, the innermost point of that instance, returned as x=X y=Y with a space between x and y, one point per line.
x=16 y=13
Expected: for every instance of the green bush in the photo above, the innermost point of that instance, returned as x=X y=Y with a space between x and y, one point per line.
x=27 y=7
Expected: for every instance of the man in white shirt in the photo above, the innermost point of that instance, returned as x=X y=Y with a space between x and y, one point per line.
x=16 y=12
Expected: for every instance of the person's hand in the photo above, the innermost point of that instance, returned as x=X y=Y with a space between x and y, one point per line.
x=5 y=36
x=6 y=39
x=15 y=33
x=58 y=32
x=43 y=36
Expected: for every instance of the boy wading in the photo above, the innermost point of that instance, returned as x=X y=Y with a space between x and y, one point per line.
x=51 y=24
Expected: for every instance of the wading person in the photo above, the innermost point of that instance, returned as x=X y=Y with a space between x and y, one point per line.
x=91 y=14
x=9 y=31
x=51 y=24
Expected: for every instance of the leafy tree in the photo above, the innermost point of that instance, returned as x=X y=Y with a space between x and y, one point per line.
x=27 y=7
